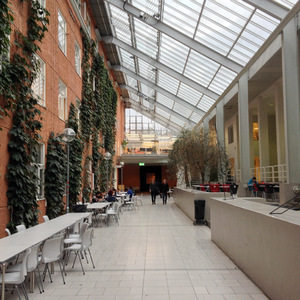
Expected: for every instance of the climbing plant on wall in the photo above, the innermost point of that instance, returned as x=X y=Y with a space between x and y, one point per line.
x=24 y=134
x=75 y=157
x=55 y=176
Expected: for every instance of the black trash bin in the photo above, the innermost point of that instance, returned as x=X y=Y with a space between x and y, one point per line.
x=199 y=212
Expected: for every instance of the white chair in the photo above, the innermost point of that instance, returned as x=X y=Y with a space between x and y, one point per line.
x=76 y=238
x=81 y=248
x=140 y=198
x=32 y=266
x=7 y=231
x=113 y=211
x=52 y=252
x=21 y=227
x=46 y=218
x=17 y=278
x=102 y=216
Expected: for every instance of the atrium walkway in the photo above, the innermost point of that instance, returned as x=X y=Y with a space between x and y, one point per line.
x=155 y=253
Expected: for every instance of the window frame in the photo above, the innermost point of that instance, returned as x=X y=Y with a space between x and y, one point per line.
x=39 y=167
x=41 y=77
x=62 y=101
x=77 y=59
x=63 y=27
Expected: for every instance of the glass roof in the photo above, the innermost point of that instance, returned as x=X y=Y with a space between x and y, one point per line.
x=179 y=56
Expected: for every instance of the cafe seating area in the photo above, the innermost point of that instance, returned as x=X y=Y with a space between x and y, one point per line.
x=148 y=255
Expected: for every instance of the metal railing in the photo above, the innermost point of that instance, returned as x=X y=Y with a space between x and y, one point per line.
x=276 y=173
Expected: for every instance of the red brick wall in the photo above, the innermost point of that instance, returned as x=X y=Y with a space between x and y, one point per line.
x=58 y=66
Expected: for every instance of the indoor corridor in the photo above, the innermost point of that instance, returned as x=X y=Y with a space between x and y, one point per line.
x=155 y=253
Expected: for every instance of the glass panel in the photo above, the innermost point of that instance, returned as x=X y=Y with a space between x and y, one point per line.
x=162 y=113
x=177 y=121
x=189 y=94
x=222 y=80
x=172 y=53
x=205 y=103
x=127 y=59
x=164 y=100
x=195 y=117
x=146 y=90
x=131 y=82
x=146 y=70
x=182 y=110
x=182 y=15
x=167 y=82
x=200 y=68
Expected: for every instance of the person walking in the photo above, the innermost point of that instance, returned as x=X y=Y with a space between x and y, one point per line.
x=164 y=189
x=153 y=189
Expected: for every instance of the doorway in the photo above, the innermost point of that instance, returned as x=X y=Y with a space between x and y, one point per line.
x=146 y=174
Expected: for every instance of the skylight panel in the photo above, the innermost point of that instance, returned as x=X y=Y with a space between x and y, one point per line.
x=146 y=70
x=162 y=113
x=222 y=80
x=205 y=103
x=164 y=100
x=128 y=61
x=167 y=82
x=172 y=53
x=200 y=68
x=150 y=7
x=195 y=117
x=182 y=15
x=189 y=94
x=131 y=81
x=146 y=103
x=123 y=36
x=147 y=91
x=287 y=3
x=182 y=110
x=178 y=121
x=134 y=97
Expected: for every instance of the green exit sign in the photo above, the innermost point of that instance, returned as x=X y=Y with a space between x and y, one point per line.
x=141 y=164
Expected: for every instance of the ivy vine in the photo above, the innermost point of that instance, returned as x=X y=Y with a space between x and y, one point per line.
x=24 y=134
x=75 y=158
x=55 y=176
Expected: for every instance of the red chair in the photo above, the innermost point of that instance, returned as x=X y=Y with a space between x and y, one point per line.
x=214 y=188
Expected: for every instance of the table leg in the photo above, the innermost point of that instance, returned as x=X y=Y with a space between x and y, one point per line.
x=31 y=287
x=3 y=282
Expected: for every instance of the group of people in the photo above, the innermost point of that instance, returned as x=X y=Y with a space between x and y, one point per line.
x=155 y=190
x=111 y=195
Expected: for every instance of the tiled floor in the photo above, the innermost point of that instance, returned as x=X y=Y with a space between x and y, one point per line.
x=154 y=253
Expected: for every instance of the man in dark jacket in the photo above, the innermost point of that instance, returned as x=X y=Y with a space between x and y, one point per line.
x=164 y=189
x=153 y=189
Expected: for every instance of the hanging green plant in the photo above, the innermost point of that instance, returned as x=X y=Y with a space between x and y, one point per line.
x=24 y=135
x=55 y=176
x=75 y=158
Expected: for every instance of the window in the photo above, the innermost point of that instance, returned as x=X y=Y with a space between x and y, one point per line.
x=39 y=165
x=78 y=104
x=230 y=134
x=78 y=3
x=77 y=59
x=42 y=3
x=88 y=24
x=62 y=33
x=39 y=83
x=62 y=100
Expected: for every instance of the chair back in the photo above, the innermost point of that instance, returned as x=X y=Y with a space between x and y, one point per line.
x=83 y=229
x=7 y=231
x=52 y=249
x=87 y=239
x=32 y=260
x=23 y=270
x=21 y=227
x=46 y=218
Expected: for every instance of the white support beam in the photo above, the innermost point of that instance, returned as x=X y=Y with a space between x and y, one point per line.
x=271 y=8
x=159 y=89
x=160 y=66
x=159 y=105
x=182 y=38
x=162 y=121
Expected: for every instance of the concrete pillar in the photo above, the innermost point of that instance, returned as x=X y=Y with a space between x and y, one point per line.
x=220 y=123
x=290 y=59
x=244 y=137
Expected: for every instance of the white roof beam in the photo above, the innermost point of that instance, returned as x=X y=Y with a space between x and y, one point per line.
x=159 y=89
x=160 y=66
x=162 y=121
x=159 y=105
x=272 y=8
x=182 y=38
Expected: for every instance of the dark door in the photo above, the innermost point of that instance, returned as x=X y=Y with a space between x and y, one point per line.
x=146 y=174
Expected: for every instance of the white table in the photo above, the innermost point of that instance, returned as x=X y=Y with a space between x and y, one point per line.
x=97 y=205
x=13 y=245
